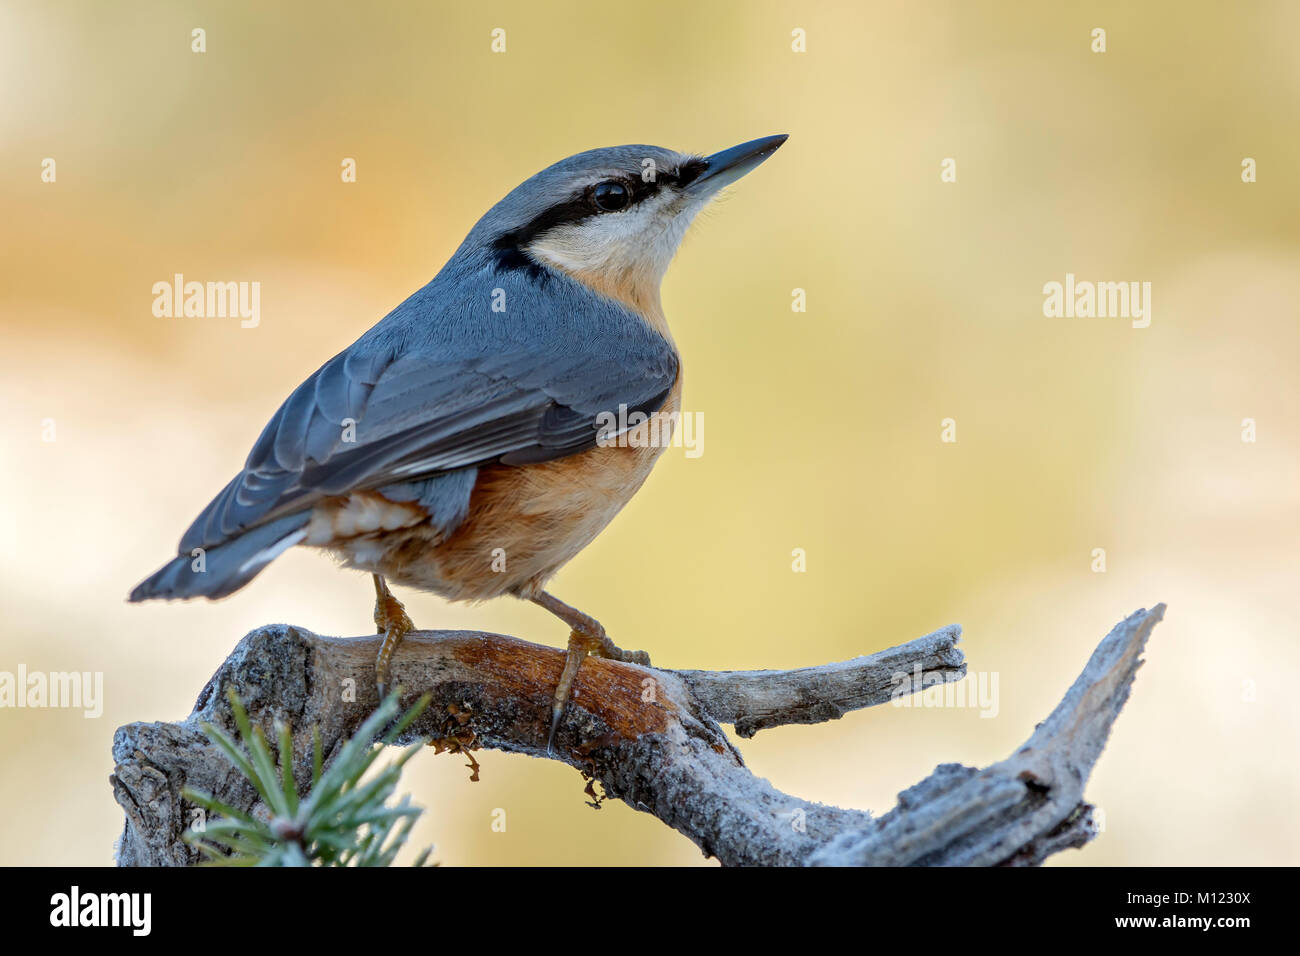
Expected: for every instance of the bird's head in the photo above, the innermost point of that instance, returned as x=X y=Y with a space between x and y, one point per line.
x=611 y=218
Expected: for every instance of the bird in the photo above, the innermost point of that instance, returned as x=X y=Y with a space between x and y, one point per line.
x=462 y=445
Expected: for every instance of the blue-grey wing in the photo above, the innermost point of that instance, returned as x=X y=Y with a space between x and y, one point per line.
x=412 y=401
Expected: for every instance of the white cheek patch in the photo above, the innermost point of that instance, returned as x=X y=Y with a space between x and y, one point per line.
x=641 y=240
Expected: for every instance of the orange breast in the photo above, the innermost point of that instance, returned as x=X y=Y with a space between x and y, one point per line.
x=524 y=523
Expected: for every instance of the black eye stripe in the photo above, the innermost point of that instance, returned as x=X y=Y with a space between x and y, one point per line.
x=508 y=247
x=689 y=172
x=574 y=210
x=641 y=189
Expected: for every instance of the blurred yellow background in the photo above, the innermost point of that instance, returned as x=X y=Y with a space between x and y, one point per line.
x=924 y=302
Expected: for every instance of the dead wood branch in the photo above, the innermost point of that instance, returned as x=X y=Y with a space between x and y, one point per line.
x=651 y=738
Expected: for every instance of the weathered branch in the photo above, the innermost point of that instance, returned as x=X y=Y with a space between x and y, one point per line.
x=651 y=737
x=756 y=700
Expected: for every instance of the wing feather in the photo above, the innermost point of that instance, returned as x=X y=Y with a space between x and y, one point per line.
x=424 y=408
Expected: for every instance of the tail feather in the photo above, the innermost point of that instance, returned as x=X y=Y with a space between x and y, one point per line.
x=225 y=568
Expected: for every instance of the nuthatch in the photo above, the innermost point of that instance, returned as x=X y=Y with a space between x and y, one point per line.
x=454 y=447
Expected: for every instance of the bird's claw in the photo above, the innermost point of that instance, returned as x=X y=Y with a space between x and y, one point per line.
x=580 y=645
x=393 y=622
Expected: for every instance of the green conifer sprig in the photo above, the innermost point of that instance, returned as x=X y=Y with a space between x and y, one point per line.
x=342 y=821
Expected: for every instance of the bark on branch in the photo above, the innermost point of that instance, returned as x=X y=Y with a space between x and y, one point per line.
x=651 y=738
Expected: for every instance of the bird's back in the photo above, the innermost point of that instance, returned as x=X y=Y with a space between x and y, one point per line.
x=483 y=365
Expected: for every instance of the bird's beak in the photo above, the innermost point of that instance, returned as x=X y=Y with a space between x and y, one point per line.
x=724 y=168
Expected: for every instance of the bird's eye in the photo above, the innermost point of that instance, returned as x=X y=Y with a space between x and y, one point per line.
x=611 y=196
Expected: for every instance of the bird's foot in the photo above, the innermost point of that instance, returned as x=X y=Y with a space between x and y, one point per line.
x=392 y=621
x=594 y=641
x=586 y=636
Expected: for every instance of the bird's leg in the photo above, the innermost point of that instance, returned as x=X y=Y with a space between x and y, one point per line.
x=586 y=637
x=392 y=622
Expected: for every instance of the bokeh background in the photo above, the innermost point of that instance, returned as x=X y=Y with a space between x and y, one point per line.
x=924 y=302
